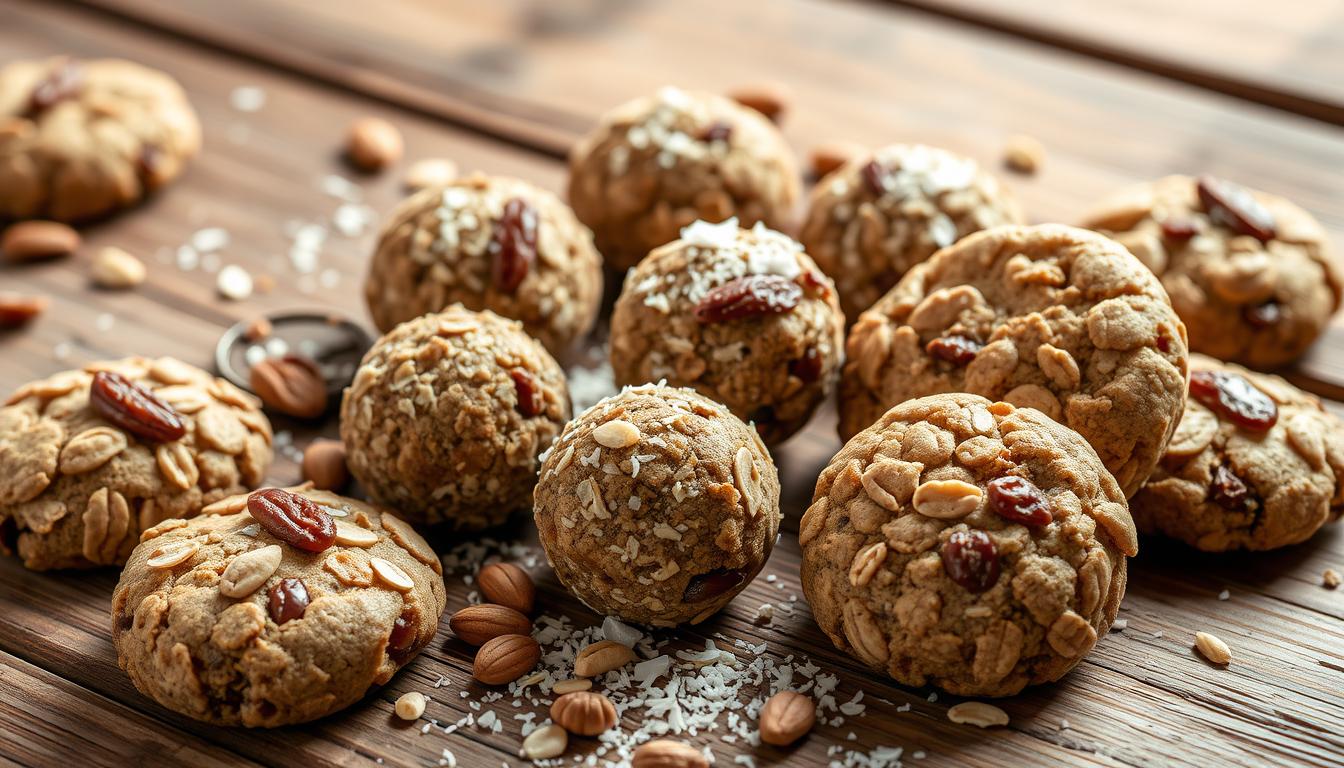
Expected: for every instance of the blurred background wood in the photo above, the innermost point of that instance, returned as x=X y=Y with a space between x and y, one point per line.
x=1117 y=93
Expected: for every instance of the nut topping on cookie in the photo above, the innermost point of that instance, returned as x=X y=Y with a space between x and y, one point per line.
x=514 y=245
x=1019 y=500
x=293 y=519
x=748 y=296
x=247 y=572
x=1234 y=398
x=1233 y=206
x=971 y=560
x=134 y=408
x=288 y=600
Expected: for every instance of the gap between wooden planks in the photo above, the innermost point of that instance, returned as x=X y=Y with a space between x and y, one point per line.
x=1156 y=683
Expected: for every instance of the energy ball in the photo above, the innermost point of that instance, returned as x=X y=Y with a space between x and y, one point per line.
x=1056 y=318
x=970 y=545
x=90 y=458
x=1251 y=274
x=741 y=315
x=488 y=242
x=277 y=607
x=873 y=219
x=1255 y=463
x=657 y=505
x=658 y=163
x=447 y=415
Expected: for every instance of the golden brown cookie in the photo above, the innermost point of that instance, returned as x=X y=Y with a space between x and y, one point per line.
x=658 y=163
x=1255 y=463
x=82 y=139
x=741 y=315
x=488 y=242
x=1251 y=274
x=447 y=414
x=278 y=607
x=971 y=545
x=657 y=505
x=1052 y=317
x=881 y=213
x=90 y=458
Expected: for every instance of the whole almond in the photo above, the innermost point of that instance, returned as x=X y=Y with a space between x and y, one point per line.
x=505 y=658
x=324 y=464
x=602 y=657
x=832 y=155
x=478 y=624
x=545 y=743
x=508 y=585
x=114 y=268
x=786 y=717
x=770 y=99
x=33 y=240
x=17 y=310
x=290 y=385
x=666 y=753
x=373 y=144
x=584 y=713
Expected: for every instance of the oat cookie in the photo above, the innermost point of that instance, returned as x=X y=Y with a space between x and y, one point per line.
x=82 y=139
x=656 y=164
x=742 y=315
x=1256 y=463
x=657 y=505
x=882 y=213
x=488 y=242
x=282 y=608
x=447 y=415
x=1251 y=274
x=1052 y=317
x=975 y=546
x=90 y=458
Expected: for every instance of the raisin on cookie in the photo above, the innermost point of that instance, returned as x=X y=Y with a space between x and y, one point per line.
x=975 y=546
x=1251 y=274
x=83 y=139
x=873 y=219
x=1052 y=317
x=90 y=458
x=741 y=315
x=659 y=163
x=488 y=242
x=276 y=607
x=447 y=415
x=657 y=505
x=1256 y=463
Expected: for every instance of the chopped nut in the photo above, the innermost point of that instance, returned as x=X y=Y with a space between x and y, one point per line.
x=1212 y=648
x=351 y=535
x=430 y=172
x=545 y=743
x=410 y=705
x=173 y=553
x=1330 y=579
x=572 y=685
x=1023 y=154
x=114 y=268
x=390 y=573
x=977 y=713
x=602 y=657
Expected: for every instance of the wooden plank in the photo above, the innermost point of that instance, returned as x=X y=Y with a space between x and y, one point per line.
x=859 y=72
x=48 y=720
x=1138 y=700
x=1286 y=56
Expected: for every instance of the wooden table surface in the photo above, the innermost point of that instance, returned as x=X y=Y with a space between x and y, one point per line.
x=1117 y=91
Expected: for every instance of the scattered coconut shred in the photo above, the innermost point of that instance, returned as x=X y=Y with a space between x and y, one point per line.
x=719 y=688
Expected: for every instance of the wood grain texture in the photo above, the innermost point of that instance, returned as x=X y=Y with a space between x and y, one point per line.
x=1142 y=698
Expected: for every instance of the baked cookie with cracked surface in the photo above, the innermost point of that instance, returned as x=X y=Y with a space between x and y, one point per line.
x=741 y=315
x=488 y=242
x=277 y=607
x=447 y=415
x=89 y=458
x=659 y=163
x=82 y=139
x=975 y=546
x=658 y=506
x=1255 y=463
x=877 y=216
x=1251 y=274
x=1051 y=317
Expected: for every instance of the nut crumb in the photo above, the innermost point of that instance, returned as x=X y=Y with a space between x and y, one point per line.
x=1023 y=154
x=411 y=705
x=977 y=713
x=1212 y=648
x=1330 y=579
